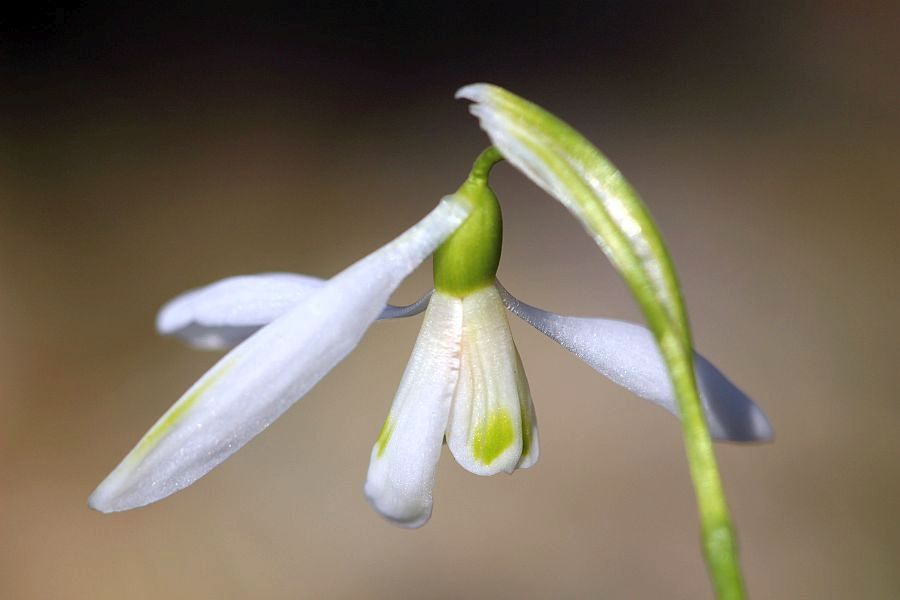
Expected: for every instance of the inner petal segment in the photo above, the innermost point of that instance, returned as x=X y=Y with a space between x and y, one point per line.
x=492 y=405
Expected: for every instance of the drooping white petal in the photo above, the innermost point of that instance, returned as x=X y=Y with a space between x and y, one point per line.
x=485 y=428
x=628 y=355
x=256 y=382
x=223 y=314
x=405 y=456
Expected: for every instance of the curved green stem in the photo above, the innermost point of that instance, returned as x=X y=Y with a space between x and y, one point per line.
x=483 y=164
x=720 y=547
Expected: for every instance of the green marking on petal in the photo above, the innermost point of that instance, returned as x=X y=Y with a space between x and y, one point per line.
x=525 y=406
x=385 y=436
x=492 y=437
x=175 y=414
x=526 y=433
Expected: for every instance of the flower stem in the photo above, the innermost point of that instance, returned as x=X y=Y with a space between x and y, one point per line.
x=720 y=547
x=483 y=164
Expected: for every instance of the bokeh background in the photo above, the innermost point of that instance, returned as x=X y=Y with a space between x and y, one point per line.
x=146 y=151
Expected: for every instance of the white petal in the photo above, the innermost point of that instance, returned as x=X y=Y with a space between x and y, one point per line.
x=629 y=356
x=226 y=312
x=485 y=429
x=257 y=381
x=223 y=314
x=405 y=456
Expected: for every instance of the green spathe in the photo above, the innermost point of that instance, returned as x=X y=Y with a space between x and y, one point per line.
x=566 y=165
x=468 y=260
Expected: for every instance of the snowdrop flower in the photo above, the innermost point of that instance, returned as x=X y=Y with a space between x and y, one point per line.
x=464 y=384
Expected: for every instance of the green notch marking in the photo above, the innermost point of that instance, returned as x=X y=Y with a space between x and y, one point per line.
x=526 y=433
x=385 y=436
x=175 y=414
x=492 y=437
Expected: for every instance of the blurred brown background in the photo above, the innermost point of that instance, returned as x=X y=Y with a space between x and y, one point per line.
x=143 y=153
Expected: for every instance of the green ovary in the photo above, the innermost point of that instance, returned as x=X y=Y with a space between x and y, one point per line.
x=492 y=437
x=468 y=260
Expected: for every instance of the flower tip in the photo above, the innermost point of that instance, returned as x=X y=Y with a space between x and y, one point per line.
x=476 y=92
x=762 y=427
x=398 y=511
x=102 y=499
x=172 y=317
x=95 y=503
x=415 y=522
x=122 y=491
x=731 y=414
x=116 y=494
x=749 y=425
x=752 y=428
